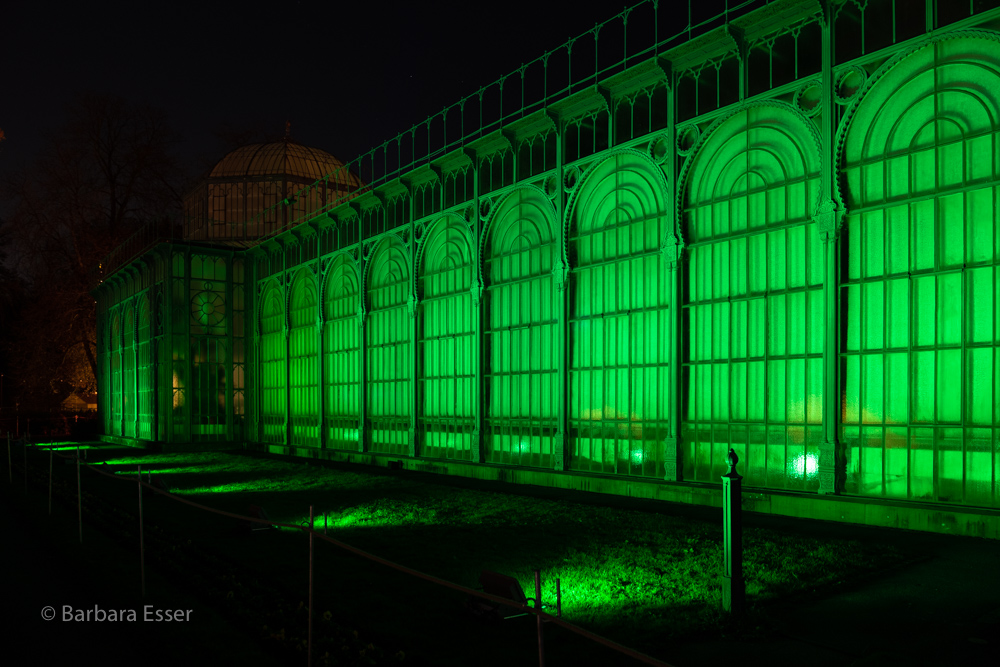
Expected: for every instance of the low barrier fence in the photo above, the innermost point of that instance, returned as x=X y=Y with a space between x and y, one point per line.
x=536 y=610
x=35 y=424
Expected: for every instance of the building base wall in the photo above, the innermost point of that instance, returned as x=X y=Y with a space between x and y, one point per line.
x=168 y=447
x=930 y=517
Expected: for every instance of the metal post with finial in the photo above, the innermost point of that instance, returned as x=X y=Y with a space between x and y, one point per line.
x=733 y=588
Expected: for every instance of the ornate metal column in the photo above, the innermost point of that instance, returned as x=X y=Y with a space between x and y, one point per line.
x=362 y=347
x=230 y=347
x=560 y=274
x=320 y=379
x=287 y=330
x=828 y=217
x=321 y=440
x=670 y=252
x=476 y=221
x=411 y=308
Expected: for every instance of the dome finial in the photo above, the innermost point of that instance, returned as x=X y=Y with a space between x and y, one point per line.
x=288 y=130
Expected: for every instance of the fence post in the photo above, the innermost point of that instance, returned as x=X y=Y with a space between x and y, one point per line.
x=51 y=453
x=538 y=618
x=309 y=648
x=142 y=541
x=732 y=537
x=79 y=494
x=558 y=599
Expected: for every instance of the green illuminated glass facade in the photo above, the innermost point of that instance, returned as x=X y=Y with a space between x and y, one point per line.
x=780 y=236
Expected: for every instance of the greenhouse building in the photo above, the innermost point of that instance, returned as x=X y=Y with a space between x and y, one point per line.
x=775 y=230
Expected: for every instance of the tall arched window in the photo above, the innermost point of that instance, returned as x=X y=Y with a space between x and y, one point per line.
x=144 y=370
x=387 y=347
x=208 y=387
x=272 y=366
x=303 y=362
x=522 y=336
x=104 y=377
x=128 y=373
x=753 y=308
x=116 y=375
x=920 y=373
x=619 y=327
x=447 y=336
x=341 y=364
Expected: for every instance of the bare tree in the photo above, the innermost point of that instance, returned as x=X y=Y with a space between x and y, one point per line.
x=102 y=175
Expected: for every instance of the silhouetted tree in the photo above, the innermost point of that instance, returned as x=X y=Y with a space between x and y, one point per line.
x=101 y=176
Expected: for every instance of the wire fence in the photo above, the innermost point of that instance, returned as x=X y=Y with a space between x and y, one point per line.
x=536 y=610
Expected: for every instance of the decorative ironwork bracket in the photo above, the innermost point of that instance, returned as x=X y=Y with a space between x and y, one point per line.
x=830 y=219
x=559 y=451
x=670 y=251
x=828 y=468
x=671 y=469
x=560 y=272
x=477 y=292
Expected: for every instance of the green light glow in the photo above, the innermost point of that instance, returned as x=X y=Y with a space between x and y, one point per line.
x=239 y=487
x=805 y=465
x=66 y=447
x=193 y=459
x=189 y=470
x=651 y=305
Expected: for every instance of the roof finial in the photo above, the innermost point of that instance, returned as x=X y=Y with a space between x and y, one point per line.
x=288 y=129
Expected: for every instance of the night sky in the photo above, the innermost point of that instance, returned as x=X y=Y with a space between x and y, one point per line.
x=347 y=75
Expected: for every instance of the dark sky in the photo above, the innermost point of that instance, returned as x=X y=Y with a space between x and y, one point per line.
x=347 y=75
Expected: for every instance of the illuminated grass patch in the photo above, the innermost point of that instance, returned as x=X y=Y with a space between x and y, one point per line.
x=64 y=446
x=634 y=575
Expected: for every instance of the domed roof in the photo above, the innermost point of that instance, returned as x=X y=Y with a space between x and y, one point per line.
x=281 y=158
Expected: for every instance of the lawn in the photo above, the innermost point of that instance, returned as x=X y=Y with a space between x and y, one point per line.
x=645 y=575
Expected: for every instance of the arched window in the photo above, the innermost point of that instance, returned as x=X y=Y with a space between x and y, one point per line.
x=446 y=396
x=116 y=375
x=753 y=307
x=303 y=362
x=341 y=364
x=128 y=373
x=272 y=366
x=919 y=279
x=387 y=347
x=104 y=377
x=522 y=335
x=619 y=322
x=208 y=389
x=144 y=370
